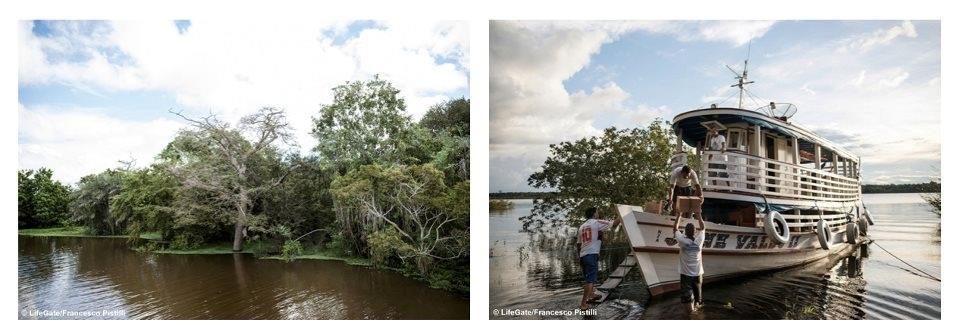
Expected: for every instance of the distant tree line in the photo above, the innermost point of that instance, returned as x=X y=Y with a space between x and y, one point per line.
x=929 y=187
x=378 y=185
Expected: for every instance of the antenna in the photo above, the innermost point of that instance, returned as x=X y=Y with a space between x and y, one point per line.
x=742 y=76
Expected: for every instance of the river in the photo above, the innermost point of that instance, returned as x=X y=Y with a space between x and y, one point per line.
x=101 y=278
x=540 y=272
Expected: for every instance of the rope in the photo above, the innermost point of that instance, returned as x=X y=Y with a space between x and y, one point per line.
x=905 y=262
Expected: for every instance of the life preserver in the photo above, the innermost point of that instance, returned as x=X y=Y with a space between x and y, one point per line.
x=776 y=227
x=852 y=232
x=824 y=235
x=866 y=213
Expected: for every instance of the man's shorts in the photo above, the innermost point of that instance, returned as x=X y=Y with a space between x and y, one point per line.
x=589 y=264
x=687 y=286
x=681 y=191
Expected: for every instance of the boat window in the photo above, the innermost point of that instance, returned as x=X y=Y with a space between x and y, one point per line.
x=736 y=139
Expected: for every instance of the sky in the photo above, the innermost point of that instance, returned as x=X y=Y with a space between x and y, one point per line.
x=93 y=93
x=872 y=87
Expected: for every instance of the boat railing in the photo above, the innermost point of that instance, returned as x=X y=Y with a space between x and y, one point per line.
x=748 y=174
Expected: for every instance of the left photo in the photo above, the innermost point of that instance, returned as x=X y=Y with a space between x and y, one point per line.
x=243 y=170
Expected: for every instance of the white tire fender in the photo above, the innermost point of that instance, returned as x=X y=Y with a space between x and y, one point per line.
x=776 y=227
x=824 y=235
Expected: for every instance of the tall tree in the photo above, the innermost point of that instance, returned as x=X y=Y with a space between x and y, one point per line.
x=365 y=123
x=223 y=161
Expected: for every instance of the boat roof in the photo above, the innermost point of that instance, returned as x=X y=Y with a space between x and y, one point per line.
x=694 y=131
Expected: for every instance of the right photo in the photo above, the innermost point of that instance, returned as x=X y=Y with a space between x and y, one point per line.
x=715 y=169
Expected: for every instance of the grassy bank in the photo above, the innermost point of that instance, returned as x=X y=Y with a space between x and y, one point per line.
x=76 y=231
x=257 y=248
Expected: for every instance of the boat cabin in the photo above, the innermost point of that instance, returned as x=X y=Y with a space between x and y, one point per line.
x=767 y=162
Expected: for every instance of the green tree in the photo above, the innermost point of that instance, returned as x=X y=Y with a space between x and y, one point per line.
x=621 y=166
x=366 y=123
x=91 y=202
x=303 y=201
x=216 y=162
x=145 y=202
x=41 y=200
x=413 y=200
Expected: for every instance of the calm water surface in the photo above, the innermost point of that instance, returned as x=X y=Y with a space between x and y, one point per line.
x=530 y=272
x=96 y=274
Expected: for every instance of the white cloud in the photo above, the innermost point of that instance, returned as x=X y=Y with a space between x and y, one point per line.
x=872 y=100
x=234 y=67
x=78 y=142
x=866 y=42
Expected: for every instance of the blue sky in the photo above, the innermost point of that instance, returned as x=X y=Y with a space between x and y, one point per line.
x=557 y=81
x=95 y=92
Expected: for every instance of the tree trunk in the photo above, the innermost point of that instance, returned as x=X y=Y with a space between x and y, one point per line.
x=238 y=237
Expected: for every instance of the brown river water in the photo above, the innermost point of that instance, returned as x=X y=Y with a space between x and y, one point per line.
x=530 y=272
x=101 y=278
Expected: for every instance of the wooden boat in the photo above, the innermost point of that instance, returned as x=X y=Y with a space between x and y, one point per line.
x=778 y=195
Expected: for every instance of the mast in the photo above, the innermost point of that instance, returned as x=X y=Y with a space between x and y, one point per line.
x=742 y=76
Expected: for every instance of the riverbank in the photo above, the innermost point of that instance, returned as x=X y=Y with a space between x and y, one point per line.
x=207 y=249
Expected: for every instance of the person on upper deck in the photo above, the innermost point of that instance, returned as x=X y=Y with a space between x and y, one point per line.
x=682 y=182
x=717 y=142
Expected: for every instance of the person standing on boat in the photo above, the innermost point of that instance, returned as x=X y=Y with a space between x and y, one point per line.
x=588 y=242
x=717 y=142
x=691 y=263
x=682 y=182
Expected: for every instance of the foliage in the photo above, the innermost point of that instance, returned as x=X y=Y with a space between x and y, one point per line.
x=145 y=202
x=41 y=200
x=302 y=201
x=91 y=202
x=218 y=163
x=291 y=248
x=379 y=186
x=413 y=200
x=622 y=166
x=386 y=246
x=934 y=199
x=365 y=124
x=929 y=187
x=500 y=205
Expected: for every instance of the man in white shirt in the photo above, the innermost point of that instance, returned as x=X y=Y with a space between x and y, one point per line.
x=717 y=142
x=691 y=263
x=588 y=243
x=682 y=182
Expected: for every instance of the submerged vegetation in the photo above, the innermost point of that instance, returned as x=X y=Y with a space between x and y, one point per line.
x=500 y=205
x=378 y=189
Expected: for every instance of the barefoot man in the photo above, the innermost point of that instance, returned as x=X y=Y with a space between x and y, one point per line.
x=588 y=242
x=691 y=263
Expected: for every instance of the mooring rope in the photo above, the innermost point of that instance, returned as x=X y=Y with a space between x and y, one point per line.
x=905 y=262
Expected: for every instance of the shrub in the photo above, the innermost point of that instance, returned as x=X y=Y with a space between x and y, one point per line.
x=291 y=248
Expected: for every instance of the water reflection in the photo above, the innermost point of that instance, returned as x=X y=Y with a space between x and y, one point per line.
x=102 y=274
x=541 y=272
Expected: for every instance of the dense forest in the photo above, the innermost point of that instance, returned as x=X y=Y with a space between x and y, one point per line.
x=378 y=186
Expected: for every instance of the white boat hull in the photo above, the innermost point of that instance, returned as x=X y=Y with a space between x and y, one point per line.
x=728 y=251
